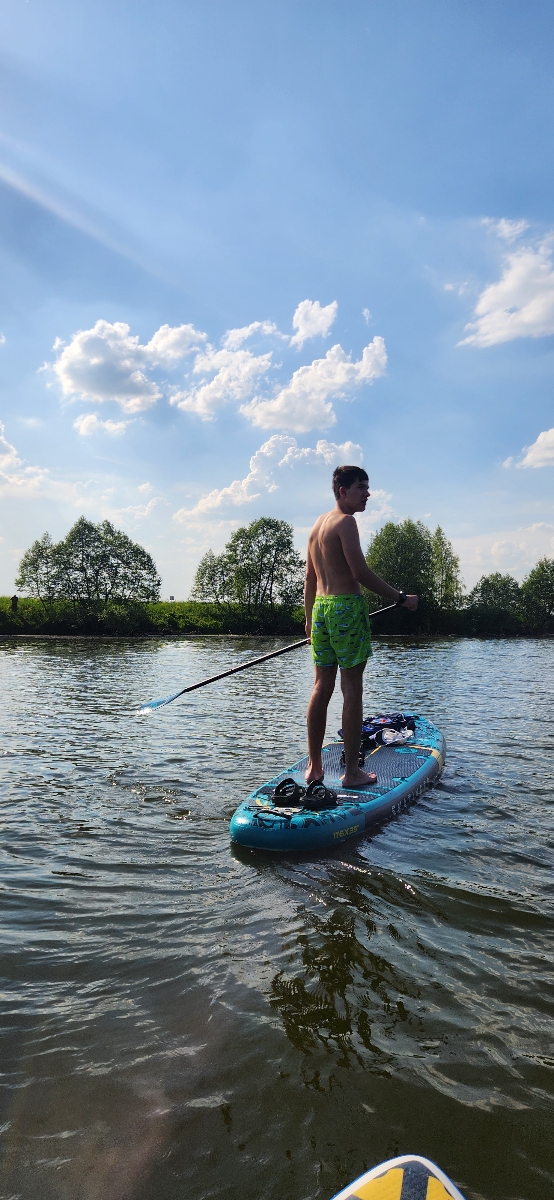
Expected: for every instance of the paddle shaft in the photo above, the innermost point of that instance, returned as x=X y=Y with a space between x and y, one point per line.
x=252 y=662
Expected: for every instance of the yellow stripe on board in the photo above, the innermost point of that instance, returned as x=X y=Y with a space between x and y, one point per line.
x=430 y=750
x=436 y=1190
x=386 y=1187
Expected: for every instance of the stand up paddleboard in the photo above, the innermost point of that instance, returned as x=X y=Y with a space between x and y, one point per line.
x=406 y=1178
x=289 y=821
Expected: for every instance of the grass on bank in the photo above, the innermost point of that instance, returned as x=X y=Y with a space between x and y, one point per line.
x=134 y=620
x=194 y=616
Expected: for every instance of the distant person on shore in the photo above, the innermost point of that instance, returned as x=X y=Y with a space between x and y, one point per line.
x=15 y=602
x=337 y=621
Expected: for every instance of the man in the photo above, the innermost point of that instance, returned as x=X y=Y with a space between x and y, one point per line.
x=337 y=620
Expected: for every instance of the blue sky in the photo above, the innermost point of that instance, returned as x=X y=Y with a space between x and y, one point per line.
x=243 y=242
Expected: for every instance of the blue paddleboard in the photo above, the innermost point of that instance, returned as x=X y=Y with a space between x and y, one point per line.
x=408 y=1177
x=403 y=773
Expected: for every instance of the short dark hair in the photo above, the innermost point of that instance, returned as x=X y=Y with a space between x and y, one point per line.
x=346 y=476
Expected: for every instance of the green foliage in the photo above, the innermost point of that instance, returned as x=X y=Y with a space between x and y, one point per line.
x=95 y=568
x=538 y=597
x=412 y=559
x=403 y=556
x=447 y=585
x=258 y=570
x=139 y=620
x=493 y=608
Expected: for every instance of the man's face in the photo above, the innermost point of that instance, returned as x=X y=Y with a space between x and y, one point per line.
x=357 y=494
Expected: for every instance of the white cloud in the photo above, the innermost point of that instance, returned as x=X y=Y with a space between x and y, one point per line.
x=234 y=338
x=171 y=343
x=89 y=423
x=145 y=488
x=8 y=454
x=2 y=339
x=25 y=482
x=540 y=454
x=108 y=363
x=509 y=231
x=136 y=512
x=303 y=404
x=31 y=422
x=267 y=471
x=366 y=315
x=311 y=320
x=513 y=551
x=236 y=374
x=521 y=304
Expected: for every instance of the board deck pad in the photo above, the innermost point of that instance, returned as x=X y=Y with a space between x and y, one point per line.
x=409 y=1177
x=403 y=773
x=390 y=763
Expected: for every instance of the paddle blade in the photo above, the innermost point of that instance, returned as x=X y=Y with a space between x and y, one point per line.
x=152 y=705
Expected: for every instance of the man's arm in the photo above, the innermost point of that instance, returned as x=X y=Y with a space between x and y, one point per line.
x=310 y=588
x=352 y=550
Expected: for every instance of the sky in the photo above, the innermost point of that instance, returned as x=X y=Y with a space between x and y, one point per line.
x=243 y=243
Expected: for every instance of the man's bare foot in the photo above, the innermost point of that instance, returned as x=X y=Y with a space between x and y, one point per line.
x=314 y=773
x=360 y=780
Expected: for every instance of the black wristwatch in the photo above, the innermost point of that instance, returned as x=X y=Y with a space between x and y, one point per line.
x=401 y=599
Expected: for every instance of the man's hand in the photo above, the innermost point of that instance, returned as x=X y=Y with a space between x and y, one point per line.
x=410 y=602
x=308 y=628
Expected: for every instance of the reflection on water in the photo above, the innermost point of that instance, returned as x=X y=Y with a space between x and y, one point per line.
x=185 y=1020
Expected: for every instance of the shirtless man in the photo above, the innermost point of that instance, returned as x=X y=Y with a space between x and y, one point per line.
x=337 y=620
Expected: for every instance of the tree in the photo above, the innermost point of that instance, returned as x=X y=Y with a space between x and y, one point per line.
x=94 y=566
x=447 y=584
x=258 y=569
x=494 y=606
x=38 y=571
x=403 y=555
x=537 y=593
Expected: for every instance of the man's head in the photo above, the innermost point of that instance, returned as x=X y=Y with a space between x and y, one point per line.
x=344 y=477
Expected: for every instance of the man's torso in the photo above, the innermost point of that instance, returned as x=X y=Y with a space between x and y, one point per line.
x=334 y=577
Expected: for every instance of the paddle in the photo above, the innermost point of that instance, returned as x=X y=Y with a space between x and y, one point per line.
x=152 y=705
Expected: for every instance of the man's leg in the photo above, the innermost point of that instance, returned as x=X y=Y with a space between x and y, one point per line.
x=323 y=689
x=351 y=681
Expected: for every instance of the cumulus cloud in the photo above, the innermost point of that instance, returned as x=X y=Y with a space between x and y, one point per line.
x=268 y=470
x=171 y=343
x=521 y=303
x=311 y=320
x=25 y=482
x=304 y=403
x=89 y=423
x=540 y=454
x=108 y=363
x=234 y=338
x=513 y=551
x=235 y=374
x=509 y=231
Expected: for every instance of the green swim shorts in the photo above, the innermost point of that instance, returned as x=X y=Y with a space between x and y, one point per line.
x=340 y=631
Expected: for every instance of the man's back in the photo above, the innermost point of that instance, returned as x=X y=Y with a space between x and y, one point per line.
x=325 y=548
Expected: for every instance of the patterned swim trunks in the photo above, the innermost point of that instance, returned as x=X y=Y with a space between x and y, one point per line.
x=340 y=631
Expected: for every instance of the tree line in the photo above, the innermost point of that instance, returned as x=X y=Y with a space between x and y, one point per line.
x=97 y=579
x=409 y=555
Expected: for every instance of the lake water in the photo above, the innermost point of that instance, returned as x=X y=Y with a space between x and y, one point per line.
x=181 y=1020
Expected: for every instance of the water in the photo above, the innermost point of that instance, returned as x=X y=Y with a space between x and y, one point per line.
x=183 y=1020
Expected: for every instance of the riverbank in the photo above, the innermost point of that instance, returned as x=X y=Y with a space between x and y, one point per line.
x=143 y=620
x=177 y=617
